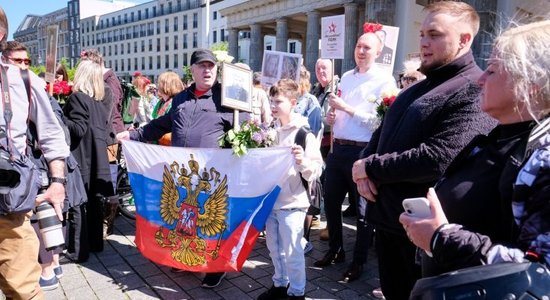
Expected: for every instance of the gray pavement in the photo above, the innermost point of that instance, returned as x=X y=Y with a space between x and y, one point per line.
x=121 y=272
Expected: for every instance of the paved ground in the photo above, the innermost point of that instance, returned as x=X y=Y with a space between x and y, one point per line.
x=120 y=272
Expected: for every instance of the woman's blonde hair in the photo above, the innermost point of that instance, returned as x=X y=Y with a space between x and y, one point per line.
x=524 y=53
x=89 y=80
x=170 y=84
x=305 y=77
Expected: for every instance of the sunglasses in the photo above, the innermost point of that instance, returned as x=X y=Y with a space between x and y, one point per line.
x=25 y=61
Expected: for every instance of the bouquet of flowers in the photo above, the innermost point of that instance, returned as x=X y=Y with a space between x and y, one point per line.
x=249 y=135
x=385 y=100
x=61 y=90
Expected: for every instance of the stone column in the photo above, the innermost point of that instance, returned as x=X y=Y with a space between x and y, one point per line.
x=256 y=51
x=381 y=11
x=312 y=41
x=281 y=42
x=350 y=12
x=233 y=41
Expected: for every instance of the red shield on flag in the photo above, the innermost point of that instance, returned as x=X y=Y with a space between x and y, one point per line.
x=187 y=223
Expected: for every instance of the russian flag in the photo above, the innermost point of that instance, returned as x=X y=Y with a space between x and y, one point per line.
x=202 y=209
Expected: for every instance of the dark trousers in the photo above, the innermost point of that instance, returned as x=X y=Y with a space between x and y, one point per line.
x=338 y=183
x=396 y=265
x=94 y=210
x=77 y=237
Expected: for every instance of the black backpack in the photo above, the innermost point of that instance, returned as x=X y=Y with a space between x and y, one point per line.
x=315 y=192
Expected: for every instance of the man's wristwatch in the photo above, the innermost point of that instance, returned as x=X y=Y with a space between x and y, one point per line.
x=61 y=180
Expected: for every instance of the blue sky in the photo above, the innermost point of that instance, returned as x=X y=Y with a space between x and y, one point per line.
x=16 y=10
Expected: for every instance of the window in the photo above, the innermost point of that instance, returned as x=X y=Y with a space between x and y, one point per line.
x=158 y=44
x=129 y=64
x=116 y=65
x=166 y=44
x=150 y=63
x=150 y=44
x=162 y=9
x=116 y=50
x=178 y=5
x=132 y=17
x=169 y=7
x=143 y=63
x=195 y=40
x=107 y=23
x=184 y=22
x=122 y=64
x=150 y=28
x=222 y=35
x=154 y=11
x=185 y=59
x=121 y=48
x=185 y=41
x=158 y=27
x=292 y=47
x=109 y=51
x=118 y=22
x=139 y=15
x=142 y=30
x=215 y=15
x=158 y=62
x=214 y=36
x=125 y=18
x=167 y=61
x=175 y=42
x=175 y=24
x=195 y=20
x=129 y=51
x=166 y=26
x=175 y=61
x=146 y=13
x=135 y=47
x=142 y=46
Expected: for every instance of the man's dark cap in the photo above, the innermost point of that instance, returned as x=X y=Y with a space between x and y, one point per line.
x=202 y=55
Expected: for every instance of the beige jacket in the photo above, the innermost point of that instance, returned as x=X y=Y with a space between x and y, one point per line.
x=293 y=193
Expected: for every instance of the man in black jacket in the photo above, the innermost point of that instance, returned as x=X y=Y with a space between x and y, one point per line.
x=197 y=119
x=424 y=129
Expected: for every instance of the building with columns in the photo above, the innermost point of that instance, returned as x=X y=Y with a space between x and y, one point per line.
x=301 y=20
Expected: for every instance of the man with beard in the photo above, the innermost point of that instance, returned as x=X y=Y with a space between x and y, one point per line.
x=197 y=119
x=424 y=129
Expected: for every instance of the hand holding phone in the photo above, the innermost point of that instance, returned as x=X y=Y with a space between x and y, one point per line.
x=417 y=207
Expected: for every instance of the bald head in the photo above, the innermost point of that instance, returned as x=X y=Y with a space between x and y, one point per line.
x=367 y=49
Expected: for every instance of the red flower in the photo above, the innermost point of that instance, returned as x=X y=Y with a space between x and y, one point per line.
x=137 y=73
x=61 y=90
x=371 y=27
x=388 y=100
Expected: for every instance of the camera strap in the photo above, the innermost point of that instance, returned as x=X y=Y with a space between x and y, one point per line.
x=8 y=113
x=6 y=101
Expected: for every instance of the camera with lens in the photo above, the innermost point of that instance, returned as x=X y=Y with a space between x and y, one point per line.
x=9 y=177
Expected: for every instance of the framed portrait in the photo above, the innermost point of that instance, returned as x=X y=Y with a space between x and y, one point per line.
x=277 y=65
x=236 y=87
x=51 y=52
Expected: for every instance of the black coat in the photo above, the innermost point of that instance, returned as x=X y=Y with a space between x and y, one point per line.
x=89 y=125
x=424 y=129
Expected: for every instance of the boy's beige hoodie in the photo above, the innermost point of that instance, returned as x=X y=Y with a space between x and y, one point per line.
x=293 y=193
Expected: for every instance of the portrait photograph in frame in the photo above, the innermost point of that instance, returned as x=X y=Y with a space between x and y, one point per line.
x=277 y=65
x=236 y=87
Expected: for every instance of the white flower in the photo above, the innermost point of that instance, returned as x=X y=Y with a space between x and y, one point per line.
x=389 y=93
x=223 y=56
x=371 y=98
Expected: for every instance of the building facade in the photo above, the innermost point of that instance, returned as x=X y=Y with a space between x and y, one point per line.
x=300 y=21
x=27 y=33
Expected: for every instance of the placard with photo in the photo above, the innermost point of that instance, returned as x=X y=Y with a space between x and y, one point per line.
x=236 y=87
x=277 y=65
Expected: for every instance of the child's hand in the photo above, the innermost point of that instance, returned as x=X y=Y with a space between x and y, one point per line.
x=298 y=153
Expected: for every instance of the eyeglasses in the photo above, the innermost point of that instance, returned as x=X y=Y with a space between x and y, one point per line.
x=409 y=78
x=25 y=61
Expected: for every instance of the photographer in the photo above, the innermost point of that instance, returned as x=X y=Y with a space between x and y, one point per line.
x=19 y=268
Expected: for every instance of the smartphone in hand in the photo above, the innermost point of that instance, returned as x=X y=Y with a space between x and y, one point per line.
x=417 y=207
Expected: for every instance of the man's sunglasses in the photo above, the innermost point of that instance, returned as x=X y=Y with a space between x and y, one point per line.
x=20 y=60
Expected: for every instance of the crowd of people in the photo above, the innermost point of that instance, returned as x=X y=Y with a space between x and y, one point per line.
x=475 y=143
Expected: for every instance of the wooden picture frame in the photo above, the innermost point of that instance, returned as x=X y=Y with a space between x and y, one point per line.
x=236 y=87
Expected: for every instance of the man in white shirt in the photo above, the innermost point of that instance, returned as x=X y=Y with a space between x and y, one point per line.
x=353 y=117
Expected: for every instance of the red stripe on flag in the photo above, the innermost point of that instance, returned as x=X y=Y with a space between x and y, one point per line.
x=148 y=237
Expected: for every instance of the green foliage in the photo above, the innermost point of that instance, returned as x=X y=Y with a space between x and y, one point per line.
x=221 y=46
x=187 y=76
x=37 y=69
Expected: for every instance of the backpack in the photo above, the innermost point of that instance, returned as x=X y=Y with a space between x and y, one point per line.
x=315 y=190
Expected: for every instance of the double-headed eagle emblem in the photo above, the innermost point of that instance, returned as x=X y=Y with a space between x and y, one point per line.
x=188 y=216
